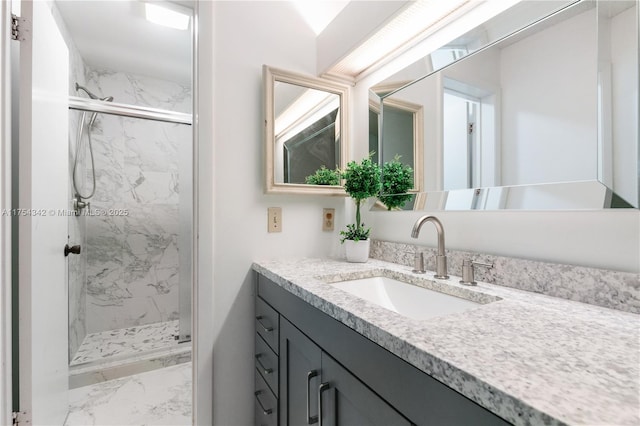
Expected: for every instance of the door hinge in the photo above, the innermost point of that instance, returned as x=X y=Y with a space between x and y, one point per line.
x=20 y=28
x=15 y=35
x=17 y=417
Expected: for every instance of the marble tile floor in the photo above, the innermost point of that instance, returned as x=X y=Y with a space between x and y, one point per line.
x=118 y=353
x=159 y=397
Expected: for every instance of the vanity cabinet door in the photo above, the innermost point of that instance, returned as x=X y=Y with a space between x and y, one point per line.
x=300 y=376
x=347 y=401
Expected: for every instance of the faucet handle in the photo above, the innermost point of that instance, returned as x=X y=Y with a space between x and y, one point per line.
x=468 y=272
x=418 y=263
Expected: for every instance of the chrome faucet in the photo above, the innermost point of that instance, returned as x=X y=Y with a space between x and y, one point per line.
x=441 y=259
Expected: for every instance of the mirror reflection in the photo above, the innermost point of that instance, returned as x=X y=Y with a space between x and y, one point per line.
x=403 y=136
x=544 y=119
x=305 y=133
x=306 y=130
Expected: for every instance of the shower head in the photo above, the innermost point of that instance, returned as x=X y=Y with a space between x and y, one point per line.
x=91 y=95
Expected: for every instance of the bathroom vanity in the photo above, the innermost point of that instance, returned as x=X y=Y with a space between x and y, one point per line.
x=325 y=356
x=302 y=355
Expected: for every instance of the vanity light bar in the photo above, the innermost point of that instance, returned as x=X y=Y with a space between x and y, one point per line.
x=420 y=29
x=409 y=24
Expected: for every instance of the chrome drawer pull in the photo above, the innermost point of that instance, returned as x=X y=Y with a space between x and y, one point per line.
x=323 y=387
x=261 y=365
x=310 y=420
x=265 y=328
x=266 y=411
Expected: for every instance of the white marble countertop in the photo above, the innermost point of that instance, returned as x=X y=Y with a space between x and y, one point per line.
x=529 y=358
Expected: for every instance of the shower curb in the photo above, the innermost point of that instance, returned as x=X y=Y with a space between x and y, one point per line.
x=109 y=369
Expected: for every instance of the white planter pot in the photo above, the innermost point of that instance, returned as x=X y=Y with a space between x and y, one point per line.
x=357 y=251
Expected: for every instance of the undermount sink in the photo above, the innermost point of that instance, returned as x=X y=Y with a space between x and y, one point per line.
x=406 y=299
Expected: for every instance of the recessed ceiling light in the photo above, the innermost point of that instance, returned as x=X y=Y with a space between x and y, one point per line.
x=167 y=14
x=318 y=14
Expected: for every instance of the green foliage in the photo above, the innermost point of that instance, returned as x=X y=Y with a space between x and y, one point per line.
x=361 y=182
x=397 y=179
x=355 y=233
x=324 y=176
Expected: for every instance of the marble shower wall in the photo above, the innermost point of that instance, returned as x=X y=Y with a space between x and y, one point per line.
x=133 y=270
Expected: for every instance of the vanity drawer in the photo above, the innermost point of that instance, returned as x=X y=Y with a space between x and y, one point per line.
x=266 y=405
x=267 y=324
x=267 y=364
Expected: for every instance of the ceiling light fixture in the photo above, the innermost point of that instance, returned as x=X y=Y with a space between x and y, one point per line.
x=168 y=15
x=410 y=23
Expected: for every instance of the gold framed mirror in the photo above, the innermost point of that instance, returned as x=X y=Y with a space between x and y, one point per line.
x=306 y=130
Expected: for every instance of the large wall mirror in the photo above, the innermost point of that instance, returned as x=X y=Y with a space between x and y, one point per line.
x=306 y=133
x=543 y=116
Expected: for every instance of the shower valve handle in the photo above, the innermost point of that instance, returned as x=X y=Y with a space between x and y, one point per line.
x=72 y=249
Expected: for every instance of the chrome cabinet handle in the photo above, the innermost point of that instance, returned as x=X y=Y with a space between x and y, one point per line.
x=323 y=387
x=266 y=329
x=310 y=420
x=266 y=411
x=266 y=370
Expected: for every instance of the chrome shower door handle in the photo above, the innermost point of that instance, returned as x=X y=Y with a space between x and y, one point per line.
x=323 y=387
x=310 y=420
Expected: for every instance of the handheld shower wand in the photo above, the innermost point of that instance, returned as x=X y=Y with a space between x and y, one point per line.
x=78 y=202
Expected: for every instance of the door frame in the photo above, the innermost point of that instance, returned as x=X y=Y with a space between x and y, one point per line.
x=6 y=400
x=201 y=370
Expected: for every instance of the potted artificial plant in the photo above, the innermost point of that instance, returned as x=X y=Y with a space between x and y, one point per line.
x=397 y=180
x=361 y=182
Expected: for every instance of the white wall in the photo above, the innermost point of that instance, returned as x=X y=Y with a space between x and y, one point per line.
x=245 y=36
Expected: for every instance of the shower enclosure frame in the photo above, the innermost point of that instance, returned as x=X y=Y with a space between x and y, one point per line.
x=186 y=233
x=126 y=110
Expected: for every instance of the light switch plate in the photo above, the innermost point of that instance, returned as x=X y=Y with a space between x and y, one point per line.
x=274 y=219
x=328 y=217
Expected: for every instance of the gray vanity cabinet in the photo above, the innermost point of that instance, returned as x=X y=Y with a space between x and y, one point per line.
x=359 y=382
x=307 y=374
x=300 y=376
x=346 y=401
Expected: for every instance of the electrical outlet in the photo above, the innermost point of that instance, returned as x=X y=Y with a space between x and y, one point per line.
x=328 y=216
x=274 y=219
